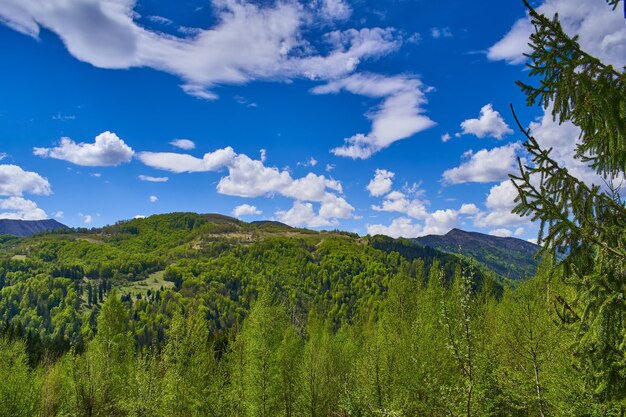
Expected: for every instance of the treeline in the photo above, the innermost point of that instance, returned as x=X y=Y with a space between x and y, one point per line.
x=434 y=348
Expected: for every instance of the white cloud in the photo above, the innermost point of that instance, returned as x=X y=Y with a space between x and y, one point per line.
x=246 y=210
x=501 y=232
x=107 y=150
x=178 y=163
x=152 y=179
x=489 y=124
x=441 y=222
x=400 y=227
x=601 y=31
x=18 y=208
x=335 y=9
x=185 y=144
x=500 y=202
x=563 y=139
x=399 y=203
x=139 y=216
x=302 y=214
x=87 y=218
x=399 y=116
x=14 y=181
x=445 y=137
x=251 y=178
x=485 y=166
x=248 y=41
x=335 y=207
x=437 y=33
x=59 y=215
x=381 y=183
x=437 y=223
x=469 y=209
x=514 y=45
x=153 y=198
x=519 y=231
x=3 y=155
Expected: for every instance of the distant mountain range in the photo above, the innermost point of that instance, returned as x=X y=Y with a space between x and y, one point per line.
x=24 y=228
x=508 y=256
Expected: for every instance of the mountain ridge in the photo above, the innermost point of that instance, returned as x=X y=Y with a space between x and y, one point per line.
x=25 y=228
x=508 y=256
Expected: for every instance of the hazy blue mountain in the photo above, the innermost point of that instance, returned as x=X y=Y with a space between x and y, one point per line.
x=28 y=227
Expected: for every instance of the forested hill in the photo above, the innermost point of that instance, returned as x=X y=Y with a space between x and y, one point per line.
x=59 y=279
x=28 y=227
x=507 y=256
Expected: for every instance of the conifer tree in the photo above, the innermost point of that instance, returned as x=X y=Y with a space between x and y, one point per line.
x=587 y=223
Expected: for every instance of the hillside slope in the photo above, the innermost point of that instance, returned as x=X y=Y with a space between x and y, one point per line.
x=24 y=228
x=507 y=256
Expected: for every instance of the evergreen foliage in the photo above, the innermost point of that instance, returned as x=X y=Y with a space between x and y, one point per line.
x=588 y=223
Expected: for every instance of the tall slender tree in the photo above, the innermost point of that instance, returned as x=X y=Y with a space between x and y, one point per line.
x=585 y=222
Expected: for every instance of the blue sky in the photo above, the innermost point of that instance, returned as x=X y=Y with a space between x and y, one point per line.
x=375 y=117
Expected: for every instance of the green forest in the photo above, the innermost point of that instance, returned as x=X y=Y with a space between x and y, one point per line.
x=203 y=315
x=192 y=315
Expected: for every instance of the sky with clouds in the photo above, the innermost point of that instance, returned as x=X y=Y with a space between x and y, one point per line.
x=375 y=117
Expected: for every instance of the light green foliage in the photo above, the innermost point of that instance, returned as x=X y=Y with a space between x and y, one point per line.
x=19 y=388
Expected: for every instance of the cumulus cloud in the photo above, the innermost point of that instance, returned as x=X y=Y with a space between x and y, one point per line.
x=185 y=144
x=484 y=165
x=381 y=183
x=178 y=163
x=563 y=138
x=303 y=213
x=334 y=9
x=398 y=202
x=399 y=116
x=441 y=222
x=87 y=218
x=489 y=124
x=18 y=208
x=152 y=179
x=248 y=41
x=107 y=150
x=469 y=209
x=601 y=31
x=415 y=208
x=501 y=232
x=500 y=202
x=437 y=223
x=153 y=198
x=246 y=210
x=251 y=178
x=14 y=181
x=59 y=215
x=400 y=227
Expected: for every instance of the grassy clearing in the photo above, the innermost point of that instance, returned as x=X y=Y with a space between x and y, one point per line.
x=152 y=283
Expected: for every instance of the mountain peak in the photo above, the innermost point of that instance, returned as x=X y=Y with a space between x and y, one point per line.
x=508 y=256
x=24 y=228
